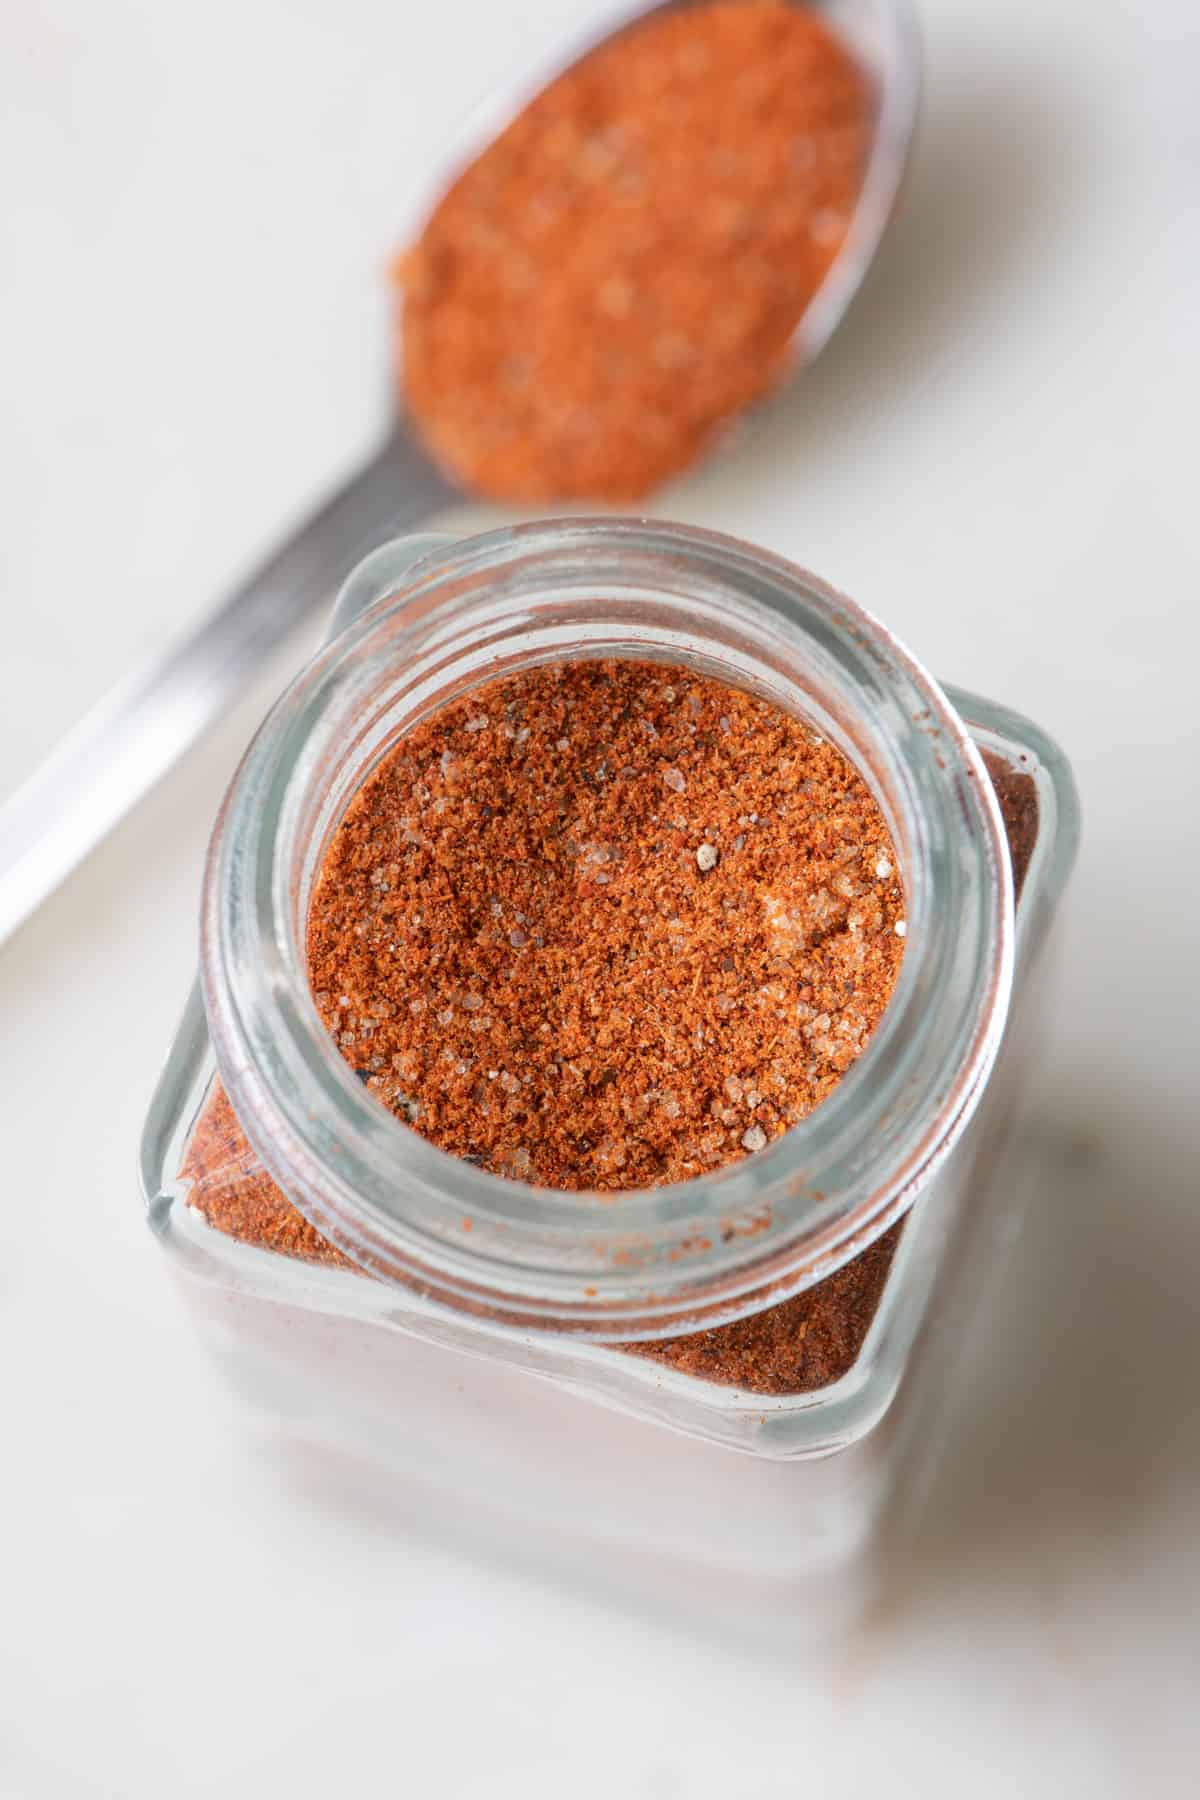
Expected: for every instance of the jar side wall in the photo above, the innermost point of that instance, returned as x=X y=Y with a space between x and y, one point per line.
x=522 y=1469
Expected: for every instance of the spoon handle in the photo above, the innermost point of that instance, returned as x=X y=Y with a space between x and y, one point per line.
x=132 y=736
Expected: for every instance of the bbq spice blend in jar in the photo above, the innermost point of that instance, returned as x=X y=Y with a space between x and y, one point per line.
x=740 y=1177
x=622 y=270
x=518 y=943
x=606 y=925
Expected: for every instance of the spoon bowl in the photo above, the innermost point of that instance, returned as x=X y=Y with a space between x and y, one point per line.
x=885 y=41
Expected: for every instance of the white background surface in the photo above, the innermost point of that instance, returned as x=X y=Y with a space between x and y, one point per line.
x=998 y=453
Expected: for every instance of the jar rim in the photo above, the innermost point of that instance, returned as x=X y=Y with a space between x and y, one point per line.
x=641 y=1262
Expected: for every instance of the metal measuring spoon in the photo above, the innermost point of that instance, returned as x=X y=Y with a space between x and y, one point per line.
x=140 y=729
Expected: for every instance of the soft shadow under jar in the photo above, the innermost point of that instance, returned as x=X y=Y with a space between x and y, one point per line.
x=769 y=1302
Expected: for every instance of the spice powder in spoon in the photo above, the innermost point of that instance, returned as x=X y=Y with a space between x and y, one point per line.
x=622 y=270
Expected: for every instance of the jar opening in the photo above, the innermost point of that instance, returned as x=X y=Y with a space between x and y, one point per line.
x=641 y=1261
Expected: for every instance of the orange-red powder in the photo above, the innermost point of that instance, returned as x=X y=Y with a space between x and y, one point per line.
x=622 y=270
x=606 y=924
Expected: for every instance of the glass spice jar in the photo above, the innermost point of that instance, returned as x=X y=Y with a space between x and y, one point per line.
x=487 y=1340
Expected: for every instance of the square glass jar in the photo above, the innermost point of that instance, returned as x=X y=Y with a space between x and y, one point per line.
x=478 y=1337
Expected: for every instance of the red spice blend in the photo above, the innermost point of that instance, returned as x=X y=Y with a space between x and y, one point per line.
x=606 y=924
x=622 y=270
